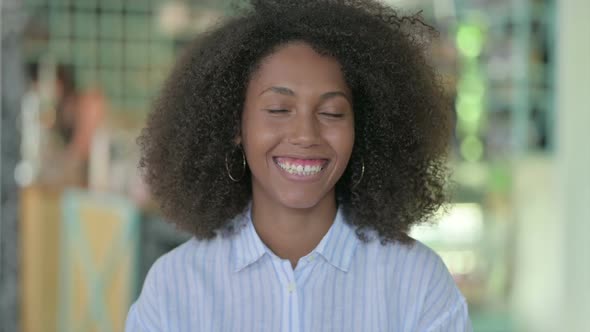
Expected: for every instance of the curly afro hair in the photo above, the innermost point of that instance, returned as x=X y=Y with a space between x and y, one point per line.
x=403 y=121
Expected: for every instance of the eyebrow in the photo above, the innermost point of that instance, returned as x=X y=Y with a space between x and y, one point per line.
x=288 y=92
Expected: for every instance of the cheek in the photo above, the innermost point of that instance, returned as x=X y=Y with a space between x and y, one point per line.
x=258 y=138
x=342 y=142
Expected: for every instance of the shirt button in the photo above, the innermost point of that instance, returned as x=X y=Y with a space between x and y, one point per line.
x=291 y=287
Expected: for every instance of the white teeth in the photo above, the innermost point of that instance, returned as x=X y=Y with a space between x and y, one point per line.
x=300 y=169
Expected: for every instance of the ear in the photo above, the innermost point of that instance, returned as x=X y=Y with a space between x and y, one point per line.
x=238 y=139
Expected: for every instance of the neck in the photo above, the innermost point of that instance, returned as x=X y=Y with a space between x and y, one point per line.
x=292 y=233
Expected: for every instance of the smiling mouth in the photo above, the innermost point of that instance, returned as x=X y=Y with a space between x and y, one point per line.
x=301 y=167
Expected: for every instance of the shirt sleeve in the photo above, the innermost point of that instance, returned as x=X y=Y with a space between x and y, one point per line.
x=144 y=315
x=445 y=308
x=456 y=319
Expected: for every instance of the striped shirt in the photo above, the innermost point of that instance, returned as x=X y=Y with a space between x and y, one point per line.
x=235 y=283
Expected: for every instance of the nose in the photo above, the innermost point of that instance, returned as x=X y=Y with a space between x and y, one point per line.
x=305 y=130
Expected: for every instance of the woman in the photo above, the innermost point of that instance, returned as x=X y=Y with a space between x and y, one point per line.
x=75 y=121
x=299 y=142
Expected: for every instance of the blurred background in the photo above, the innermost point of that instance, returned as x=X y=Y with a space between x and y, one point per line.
x=78 y=229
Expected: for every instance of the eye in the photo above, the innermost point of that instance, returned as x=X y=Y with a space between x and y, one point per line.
x=333 y=115
x=277 y=111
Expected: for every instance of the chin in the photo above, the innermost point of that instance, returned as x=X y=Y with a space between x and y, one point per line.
x=298 y=200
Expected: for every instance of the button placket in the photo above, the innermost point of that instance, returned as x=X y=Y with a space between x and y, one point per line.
x=290 y=284
x=291 y=299
x=291 y=287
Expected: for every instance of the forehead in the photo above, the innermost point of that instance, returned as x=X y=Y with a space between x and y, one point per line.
x=297 y=65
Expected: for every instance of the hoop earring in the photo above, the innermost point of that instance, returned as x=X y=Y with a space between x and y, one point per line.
x=362 y=175
x=243 y=167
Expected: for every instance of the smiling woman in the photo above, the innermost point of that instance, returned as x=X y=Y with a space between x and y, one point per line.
x=298 y=142
x=297 y=132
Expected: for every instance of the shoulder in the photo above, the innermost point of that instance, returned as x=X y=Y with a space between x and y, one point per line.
x=414 y=258
x=421 y=285
x=441 y=305
x=416 y=265
x=189 y=261
x=92 y=101
x=402 y=266
x=192 y=254
x=92 y=95
x=170 y=278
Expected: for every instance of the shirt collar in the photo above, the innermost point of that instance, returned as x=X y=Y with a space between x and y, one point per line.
x=337 y=246
x=247 y=247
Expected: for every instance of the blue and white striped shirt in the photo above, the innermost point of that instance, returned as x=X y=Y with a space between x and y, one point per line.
x=235 y=283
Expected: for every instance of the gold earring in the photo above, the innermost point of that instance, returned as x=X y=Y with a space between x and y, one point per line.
x=362 y=174
x=243 y=167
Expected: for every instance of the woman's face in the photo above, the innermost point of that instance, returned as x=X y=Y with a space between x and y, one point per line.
x=297 y=127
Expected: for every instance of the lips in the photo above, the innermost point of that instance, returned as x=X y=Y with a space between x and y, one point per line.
x=301 y=167
x=303 y=162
